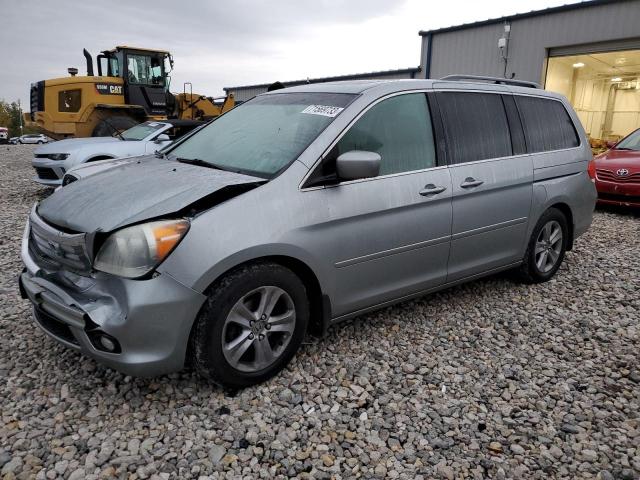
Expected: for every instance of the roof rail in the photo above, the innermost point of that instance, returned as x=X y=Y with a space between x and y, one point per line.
x=480 y=78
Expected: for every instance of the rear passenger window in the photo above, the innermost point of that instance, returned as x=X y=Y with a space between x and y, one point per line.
x=475 y=126
x=399 y=129
x=546 y=123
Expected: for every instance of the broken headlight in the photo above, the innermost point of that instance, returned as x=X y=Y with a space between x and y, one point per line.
x=134 y=251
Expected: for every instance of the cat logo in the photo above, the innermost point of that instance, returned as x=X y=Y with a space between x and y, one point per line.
x=108 y=89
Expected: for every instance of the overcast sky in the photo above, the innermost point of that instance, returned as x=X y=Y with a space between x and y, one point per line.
x=219 y=44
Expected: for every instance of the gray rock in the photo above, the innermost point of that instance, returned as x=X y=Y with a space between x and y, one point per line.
x=216 y=452
x=78 y=474
x=517 y=449
x=445 y=471
x=5 y=457
x=11 y=466
x=568 y=428
x=605 y=475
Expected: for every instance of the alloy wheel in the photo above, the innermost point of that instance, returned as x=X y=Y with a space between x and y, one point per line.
x=548 y=246
x=258 y=329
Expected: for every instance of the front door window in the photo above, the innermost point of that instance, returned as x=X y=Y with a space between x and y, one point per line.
x=399 y=129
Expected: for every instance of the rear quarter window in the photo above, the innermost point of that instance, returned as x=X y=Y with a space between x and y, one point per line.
x=547 y=124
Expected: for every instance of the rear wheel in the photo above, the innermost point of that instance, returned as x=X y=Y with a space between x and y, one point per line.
x=251 y=325
x=111 y=125
x=546 y=249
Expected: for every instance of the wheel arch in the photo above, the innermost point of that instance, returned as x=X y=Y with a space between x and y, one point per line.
x=97 y=158
x=319 y=301
x=566 y=211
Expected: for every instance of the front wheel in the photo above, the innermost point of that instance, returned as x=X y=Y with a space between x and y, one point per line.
x=547 y=247
x=251 y=325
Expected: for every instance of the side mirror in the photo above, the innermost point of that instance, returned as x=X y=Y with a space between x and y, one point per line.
x=162 y=138
x=358 y=164
x=611 y=143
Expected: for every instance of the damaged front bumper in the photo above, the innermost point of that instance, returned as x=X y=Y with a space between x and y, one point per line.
x=138 y=327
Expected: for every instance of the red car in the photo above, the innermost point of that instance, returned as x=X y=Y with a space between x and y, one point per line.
x=617 y=172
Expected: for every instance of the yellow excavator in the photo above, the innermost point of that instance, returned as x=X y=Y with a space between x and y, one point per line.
x=132 y=86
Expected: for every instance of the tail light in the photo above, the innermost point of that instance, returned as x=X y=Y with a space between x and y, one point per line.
x=591 y=170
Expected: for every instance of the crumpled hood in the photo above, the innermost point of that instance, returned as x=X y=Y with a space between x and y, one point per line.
x=133 y=192
x=71 y=144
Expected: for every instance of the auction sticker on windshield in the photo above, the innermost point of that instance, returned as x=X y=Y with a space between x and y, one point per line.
x=323 y=110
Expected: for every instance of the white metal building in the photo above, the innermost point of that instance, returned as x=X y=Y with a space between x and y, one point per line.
x=244 y=93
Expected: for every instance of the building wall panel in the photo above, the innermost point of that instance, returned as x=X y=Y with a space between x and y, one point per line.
x=474 y=50
x=244 y=93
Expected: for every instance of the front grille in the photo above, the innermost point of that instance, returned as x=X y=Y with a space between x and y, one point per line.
x=46 y=173
x=619 y=198
x=609 y=176
x=54 y=326
x=54 y=249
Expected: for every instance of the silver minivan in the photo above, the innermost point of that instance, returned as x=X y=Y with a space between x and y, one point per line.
x=301 y=208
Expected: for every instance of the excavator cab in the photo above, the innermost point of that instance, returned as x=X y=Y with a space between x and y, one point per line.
x=145 y=75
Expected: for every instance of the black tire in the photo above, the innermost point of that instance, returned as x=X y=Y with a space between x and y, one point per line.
x=111 y=125
x=207 y=354
x=40 y=142
x=529 y=272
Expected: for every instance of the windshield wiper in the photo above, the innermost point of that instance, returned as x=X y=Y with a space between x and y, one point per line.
x=199 y=162
x=624 y=148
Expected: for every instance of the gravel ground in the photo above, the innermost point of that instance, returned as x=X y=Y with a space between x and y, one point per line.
x=488 y=380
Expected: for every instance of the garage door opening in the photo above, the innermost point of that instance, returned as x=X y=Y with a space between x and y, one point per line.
x=604 y=89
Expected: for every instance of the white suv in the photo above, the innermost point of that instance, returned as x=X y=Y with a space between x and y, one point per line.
x=33 y=138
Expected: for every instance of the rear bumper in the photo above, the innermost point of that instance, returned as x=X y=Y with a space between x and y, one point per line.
x=149 y=319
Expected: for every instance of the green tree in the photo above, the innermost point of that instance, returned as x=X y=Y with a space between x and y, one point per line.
x=10 y=118
x=5 y=116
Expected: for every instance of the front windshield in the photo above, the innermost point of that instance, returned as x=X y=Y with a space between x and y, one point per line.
x=264 y=135
x=632 y=142
x=141 y=131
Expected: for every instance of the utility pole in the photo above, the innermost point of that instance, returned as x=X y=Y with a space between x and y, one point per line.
x=20 y=112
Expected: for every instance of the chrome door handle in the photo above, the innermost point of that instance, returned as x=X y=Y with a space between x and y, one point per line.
x=430 y=189
x=471 y=182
